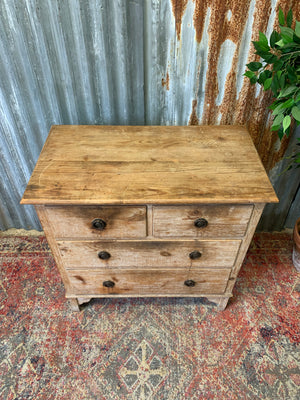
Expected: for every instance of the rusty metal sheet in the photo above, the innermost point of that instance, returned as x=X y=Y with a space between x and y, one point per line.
x=209 y=73
x=158 y=62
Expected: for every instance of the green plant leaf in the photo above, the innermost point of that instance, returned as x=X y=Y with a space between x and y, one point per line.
x=297 y=28
x=263 y=76
x=286 y=122
x=254 y=66
x=278 y=64
x=288 y=103
x=261 y=51
x=290 y=47
x=296 y=113
x=287 y=132
x=275 y=37
x=292 y=74
x=249 y=74
x=282 y=80
x=275 y=104
x=281 y=17
x=287 y=31
x=275 y=127
x=275 y=87
x=280 y=43
x=296 y=38
x=278 y=109
x=280 y=133
x=263 y=41
x=269 y=58
x=286 y=38
x=267 y=83
x=277 y=121
x=287 y=91
x=289 y=18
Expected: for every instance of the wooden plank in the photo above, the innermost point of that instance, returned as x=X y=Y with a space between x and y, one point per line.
x=148 y=282
x=148 y=165
x=54 y=249
x=149 y=221
x=223 y=221
x=143 y=254
x=76 y=221
x=257 y=211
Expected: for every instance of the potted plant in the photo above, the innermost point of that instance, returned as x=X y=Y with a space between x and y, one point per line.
x=278 y=70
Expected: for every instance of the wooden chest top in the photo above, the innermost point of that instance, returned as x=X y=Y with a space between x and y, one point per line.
x=148 y=165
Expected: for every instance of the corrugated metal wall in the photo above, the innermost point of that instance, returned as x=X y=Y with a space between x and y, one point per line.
x=165 y=62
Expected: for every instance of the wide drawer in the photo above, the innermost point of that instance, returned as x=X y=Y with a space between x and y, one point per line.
x=148 y=282
x=97 y=221
x=173 y=254
x=209 y=221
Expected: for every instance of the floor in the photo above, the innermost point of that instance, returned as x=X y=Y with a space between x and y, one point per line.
x=169 y=349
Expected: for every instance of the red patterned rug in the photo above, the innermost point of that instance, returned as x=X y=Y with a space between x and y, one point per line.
x=168 y=349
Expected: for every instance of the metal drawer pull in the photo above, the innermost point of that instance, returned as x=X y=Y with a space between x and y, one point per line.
x=189 y=283
x=108 y=284
x=104 y=255
x=195 y=254
x=200 y=223
x=99 y=223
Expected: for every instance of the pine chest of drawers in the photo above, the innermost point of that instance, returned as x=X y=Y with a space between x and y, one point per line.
x=149 y=211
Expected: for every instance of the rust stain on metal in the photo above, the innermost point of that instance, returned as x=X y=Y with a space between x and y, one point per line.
x=228 y=20
x=245 y=106
x=193 y=118
x=179 y=7
x=270 y=156
x=199 y=17
x=253 y=111
x=221 y=29
x=165 y=82
x=218 y=31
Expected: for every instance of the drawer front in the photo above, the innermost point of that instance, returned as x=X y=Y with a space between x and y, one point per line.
x=148 y=282
x=172 y=254
x=208 y=221
x=93 y=222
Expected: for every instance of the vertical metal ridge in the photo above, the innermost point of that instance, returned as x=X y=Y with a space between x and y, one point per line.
x=99 y=66
x=70 y=17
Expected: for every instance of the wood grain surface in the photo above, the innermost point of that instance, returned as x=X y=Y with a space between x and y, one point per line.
x=148 y=165
x=76 y=221
x=223 y=221
x=149 y=184
x=154 y=282
x=143 y=254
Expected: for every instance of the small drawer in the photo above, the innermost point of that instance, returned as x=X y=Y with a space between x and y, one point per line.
x=148 y=282
x=143 y=254
x=208 y=221
x=90 y=222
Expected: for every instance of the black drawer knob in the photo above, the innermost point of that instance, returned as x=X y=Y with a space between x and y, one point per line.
x=189 y=283
x=104 y=255
x=200 y=223
x=108 y=284
x=195 y=254
x=99 y=223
